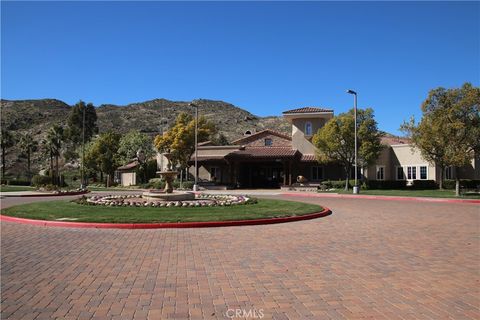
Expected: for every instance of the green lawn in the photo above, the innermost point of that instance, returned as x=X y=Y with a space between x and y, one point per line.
x=53 y=210
x=414 y=193
x=4 y=188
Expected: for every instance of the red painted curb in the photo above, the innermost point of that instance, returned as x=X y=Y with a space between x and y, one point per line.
x=5 y=194
x=399 y=198
x=209 y=224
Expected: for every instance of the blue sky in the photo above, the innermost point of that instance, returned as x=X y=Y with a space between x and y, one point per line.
x=265 y=57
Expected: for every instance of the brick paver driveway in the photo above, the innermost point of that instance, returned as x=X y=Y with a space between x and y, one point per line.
x=370 y=259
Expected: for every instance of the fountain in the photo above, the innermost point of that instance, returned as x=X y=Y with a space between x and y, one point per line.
x=168 y=194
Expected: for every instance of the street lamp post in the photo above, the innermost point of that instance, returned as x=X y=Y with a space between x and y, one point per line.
x=355 y=187
x=83 y=185
x=195 y=185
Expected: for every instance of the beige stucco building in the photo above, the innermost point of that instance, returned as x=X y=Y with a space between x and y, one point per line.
x=270 y=159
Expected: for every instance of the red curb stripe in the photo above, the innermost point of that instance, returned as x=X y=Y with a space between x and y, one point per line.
x=5 y=194
x=399 y=198
x=208 y=224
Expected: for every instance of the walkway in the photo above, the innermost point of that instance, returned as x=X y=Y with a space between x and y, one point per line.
x=371 y=259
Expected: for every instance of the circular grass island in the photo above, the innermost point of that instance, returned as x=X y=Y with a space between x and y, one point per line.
x=78 y=211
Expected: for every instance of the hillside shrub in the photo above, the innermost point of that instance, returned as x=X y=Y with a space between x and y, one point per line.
x=39 y=180
x=424 y=184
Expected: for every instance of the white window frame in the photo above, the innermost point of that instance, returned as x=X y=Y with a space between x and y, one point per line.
x=316 y=168
x=377 y=171
x=413 y=167
x=420 y=172
x=311 y=128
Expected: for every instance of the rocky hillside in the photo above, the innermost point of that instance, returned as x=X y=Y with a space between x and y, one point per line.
x=36 y=116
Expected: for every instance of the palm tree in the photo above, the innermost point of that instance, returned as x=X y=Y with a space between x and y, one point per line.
x=55 y=138
x=7 y=141
x=47 y=149
x=28 y=146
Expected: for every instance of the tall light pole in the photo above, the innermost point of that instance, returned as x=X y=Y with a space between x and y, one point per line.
x=195 y=185
x=355 y=187
x=82 y=186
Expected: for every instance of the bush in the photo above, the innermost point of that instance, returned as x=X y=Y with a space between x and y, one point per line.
x=15 y=182
x=385 y=184
x=424 y=184
x=50 y=187
x=39 y=180
x=185 y=184
x=338 y=184
x=464 y=183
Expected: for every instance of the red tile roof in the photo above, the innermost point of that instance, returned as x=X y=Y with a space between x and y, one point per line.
x=307 y=110
x=308 y=158
x=265 y=152
x=129 y=166
x=272 y=132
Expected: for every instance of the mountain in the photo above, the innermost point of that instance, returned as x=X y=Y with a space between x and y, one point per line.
x=151 y=117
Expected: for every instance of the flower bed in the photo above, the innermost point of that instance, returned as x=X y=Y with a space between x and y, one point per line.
x=137 y=201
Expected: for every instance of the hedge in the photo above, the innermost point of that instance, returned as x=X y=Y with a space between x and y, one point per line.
x=338 y=184
x=385 y=184
x=15 y=182
x=39 y=180
x=464 y=183
x=424 y=184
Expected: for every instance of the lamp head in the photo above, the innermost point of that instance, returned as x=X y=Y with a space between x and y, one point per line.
x=351 y=92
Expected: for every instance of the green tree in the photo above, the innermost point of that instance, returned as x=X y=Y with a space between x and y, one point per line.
x=131 y=143
x=449 y=132
x=179 y=140
x=55 y=137
x=101 y=155
x=335 y=141
x=7 y=141
x=220 y=139
x=74 y=130
x=28 y=145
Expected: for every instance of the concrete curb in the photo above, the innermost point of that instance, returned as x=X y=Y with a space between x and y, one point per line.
x=372 y=197
x=209 y=224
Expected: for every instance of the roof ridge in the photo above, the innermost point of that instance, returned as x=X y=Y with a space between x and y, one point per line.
x=278 y=133
x=308 y=109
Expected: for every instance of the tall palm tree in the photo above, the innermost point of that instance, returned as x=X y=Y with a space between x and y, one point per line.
x=7 y=141
x=28 y=146
x=47 y=149
x=55 y=138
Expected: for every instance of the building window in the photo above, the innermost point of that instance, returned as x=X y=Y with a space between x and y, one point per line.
x=308 y=128
x=268 y=142
x=380 y=172
x=411 y=173
x=448 y=173
x=423 y=172
x=317 y=173
x=214 y=174
x=400 y=173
